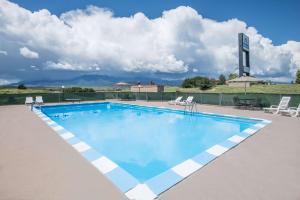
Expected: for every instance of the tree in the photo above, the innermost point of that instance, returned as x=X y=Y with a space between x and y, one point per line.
x=298 y=77
x=188 y=83
x=232 y=76
x=22 y=87
x=222 y=79
x=203 y=83
x=78 y=90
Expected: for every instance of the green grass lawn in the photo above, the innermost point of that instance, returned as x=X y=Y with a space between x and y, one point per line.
x=28 y=90
x=278 y=89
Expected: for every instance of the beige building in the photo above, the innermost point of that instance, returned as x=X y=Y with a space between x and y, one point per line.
x=243 y=81
x=147 y=88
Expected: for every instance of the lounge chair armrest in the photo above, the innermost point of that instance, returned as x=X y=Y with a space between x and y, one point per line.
x=292 y=108
x=273 y=106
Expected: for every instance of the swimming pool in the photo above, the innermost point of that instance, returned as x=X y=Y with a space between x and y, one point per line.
x=145 y=150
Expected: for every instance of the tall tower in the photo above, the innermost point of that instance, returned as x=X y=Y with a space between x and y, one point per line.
x=244 y=60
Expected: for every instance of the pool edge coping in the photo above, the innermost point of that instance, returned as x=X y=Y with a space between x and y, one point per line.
x=153 y=187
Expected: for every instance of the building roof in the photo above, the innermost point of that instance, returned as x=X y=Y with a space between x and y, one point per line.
x=245 y=79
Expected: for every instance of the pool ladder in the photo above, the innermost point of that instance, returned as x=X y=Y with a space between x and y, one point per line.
x=190 y=108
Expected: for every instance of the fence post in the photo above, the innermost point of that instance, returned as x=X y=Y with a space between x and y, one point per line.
x=220 y=99
x=280 y=96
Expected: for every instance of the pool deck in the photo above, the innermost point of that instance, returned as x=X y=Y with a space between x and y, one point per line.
x=35 y=163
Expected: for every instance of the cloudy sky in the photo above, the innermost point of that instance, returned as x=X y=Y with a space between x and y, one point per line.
x=50 y=40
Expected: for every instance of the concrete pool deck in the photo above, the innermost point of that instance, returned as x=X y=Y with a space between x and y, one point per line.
x=35 y=163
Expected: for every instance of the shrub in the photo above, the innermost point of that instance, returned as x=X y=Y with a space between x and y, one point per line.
x=22 y=87
x=188 y=83
x=298 y=77
x=222 y=79
x=232 y=76
x=78 y=90
x=203 y=83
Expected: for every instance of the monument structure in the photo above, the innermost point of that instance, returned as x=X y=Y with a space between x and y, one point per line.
x=244 y=58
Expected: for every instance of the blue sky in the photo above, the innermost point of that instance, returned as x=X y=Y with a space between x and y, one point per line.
x=166 y=39
x=266 y=15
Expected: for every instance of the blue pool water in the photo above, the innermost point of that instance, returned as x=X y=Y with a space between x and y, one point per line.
x=142 y=140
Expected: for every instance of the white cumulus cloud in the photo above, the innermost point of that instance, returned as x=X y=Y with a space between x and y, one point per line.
x=34 y=67
x=8 y=81
x=3 y=52
x=27 y=53
x=179 y=41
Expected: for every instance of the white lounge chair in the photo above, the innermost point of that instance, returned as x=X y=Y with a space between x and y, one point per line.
x=188 y=101
x=176 y=101
x=283 y=105
x=28 y=100
x=39 y=100
x=291 y=111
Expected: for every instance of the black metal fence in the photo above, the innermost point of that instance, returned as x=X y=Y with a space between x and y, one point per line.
x=224 y=99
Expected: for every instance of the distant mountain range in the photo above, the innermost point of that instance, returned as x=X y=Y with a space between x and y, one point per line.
x=97 y=80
